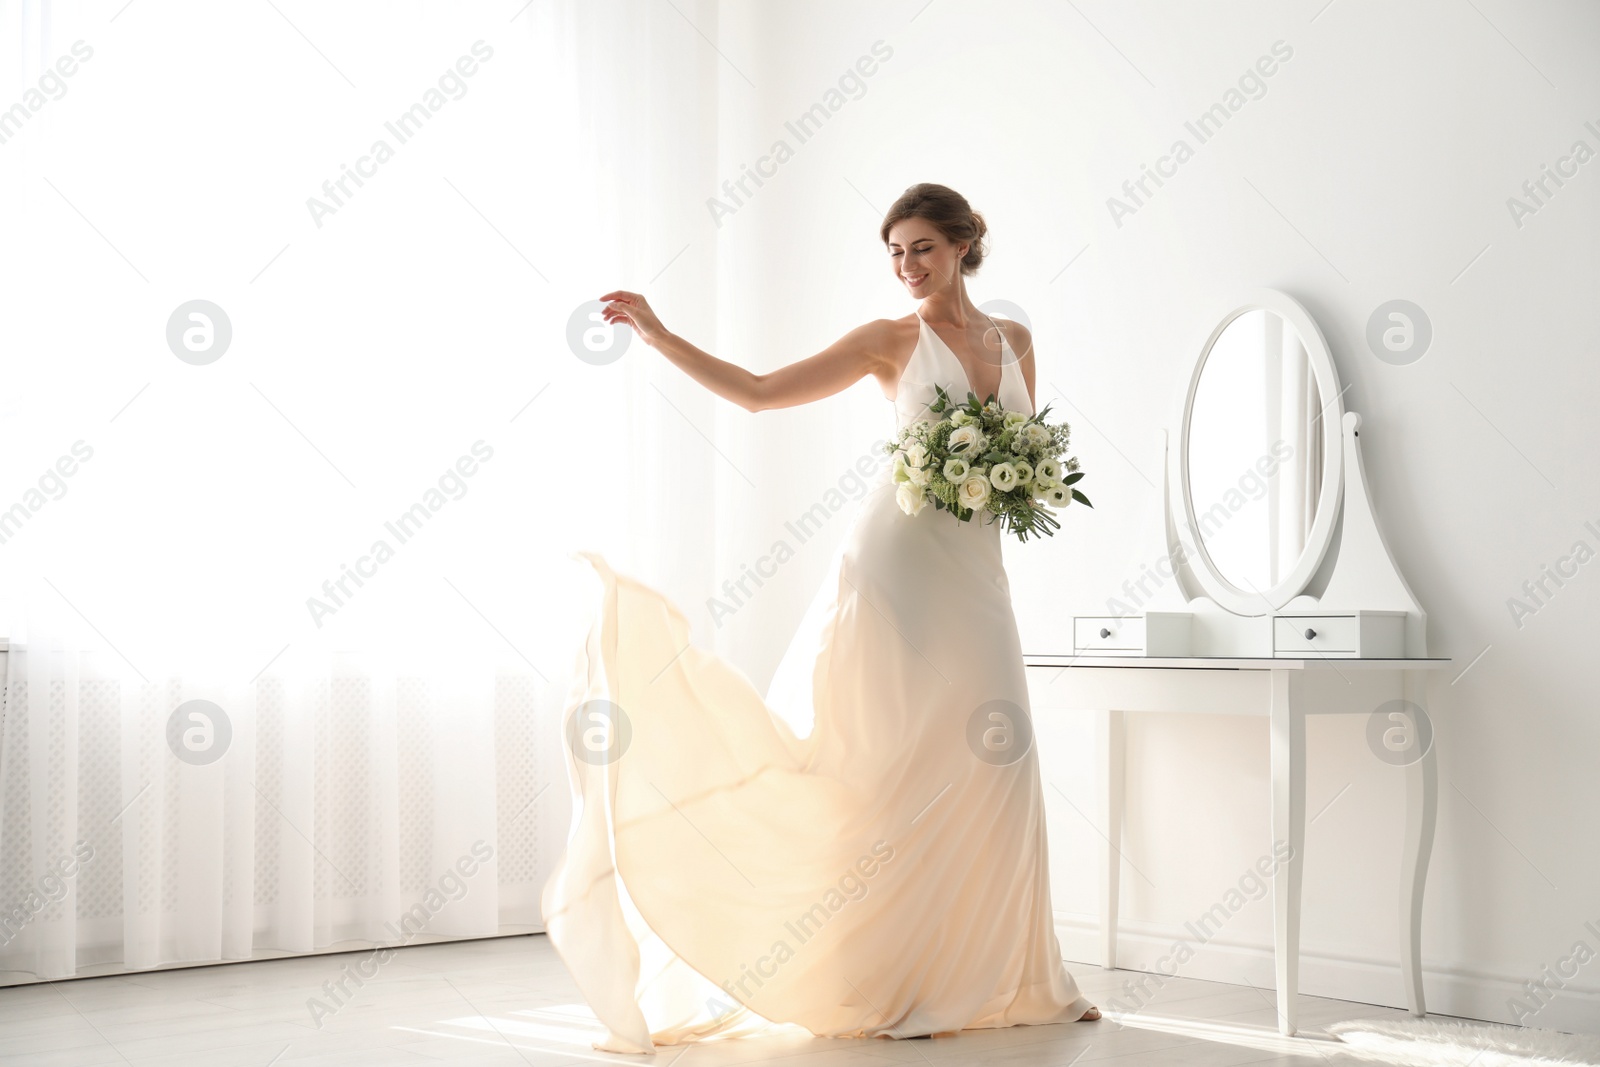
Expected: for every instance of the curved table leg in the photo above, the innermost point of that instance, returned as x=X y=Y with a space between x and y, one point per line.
x=1422 y=810
x=1288 y=729
x=1109 y=744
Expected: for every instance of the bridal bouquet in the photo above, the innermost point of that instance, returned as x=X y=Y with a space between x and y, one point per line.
x=980 y=457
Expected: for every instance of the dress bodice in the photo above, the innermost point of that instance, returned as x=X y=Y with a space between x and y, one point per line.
x=933 y=363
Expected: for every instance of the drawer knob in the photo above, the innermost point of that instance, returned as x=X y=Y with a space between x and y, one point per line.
x=1104 y=632
x=1310 y=633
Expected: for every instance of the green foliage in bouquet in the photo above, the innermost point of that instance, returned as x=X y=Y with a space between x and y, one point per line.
x=979 y=457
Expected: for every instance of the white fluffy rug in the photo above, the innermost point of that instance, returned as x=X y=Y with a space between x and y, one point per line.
x=1427 y=1042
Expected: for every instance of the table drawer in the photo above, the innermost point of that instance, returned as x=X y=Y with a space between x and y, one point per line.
x=1106 y=634
x=1329 y=633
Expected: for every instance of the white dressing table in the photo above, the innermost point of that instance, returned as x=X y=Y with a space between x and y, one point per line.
x=1114 y=686
x=1268 y=573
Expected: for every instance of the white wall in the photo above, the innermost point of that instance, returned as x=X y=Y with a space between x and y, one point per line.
x=1376 y=165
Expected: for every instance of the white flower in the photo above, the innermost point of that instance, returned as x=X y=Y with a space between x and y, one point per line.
x=974 y=492
x=920 y=475
x=1034 y=437
x=1003 y=476
x=1024 y=472
x=956 y=470
x=967 y=440
x=1048 y=470
x=1058 y=496
x=902 y=473
x=1014 y=419
x=911 y=498
x=916 y=454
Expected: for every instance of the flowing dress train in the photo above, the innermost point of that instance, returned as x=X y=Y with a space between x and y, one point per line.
x=861 y=851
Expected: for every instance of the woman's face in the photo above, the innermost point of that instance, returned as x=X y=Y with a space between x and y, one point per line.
x=922 y=258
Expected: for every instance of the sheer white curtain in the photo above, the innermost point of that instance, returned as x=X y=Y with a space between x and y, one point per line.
x=288 y=629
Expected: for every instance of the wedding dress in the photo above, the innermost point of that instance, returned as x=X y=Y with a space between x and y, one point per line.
x=861 y=852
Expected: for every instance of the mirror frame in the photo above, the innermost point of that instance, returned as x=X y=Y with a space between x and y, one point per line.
x=1219 y=588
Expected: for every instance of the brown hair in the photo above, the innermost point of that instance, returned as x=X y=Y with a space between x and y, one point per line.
x=949 y=213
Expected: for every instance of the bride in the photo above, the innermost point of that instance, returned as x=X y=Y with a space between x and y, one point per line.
x=861 y=852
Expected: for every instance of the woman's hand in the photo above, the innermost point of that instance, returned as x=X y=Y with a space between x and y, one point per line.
x=634 y=310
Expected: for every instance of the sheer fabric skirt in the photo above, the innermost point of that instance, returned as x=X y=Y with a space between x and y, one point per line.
x=859 y=852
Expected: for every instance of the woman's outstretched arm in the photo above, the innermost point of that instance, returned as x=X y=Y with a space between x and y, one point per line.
x=864 y=350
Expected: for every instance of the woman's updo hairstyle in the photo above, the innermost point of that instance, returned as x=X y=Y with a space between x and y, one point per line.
x=948 y=212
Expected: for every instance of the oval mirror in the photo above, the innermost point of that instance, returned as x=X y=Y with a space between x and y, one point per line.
x=1260 y=455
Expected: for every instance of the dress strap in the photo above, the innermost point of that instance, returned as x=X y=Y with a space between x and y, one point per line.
x=1002 y=340
x=1001 y=387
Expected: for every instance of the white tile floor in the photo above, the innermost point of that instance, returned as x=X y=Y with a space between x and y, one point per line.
x=509 y=1001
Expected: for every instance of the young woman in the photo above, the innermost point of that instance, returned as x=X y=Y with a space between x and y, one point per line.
x=885 y=873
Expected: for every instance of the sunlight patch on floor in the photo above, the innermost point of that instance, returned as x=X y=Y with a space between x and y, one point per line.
x=1243 y=1034
x=564 y=1025
x=570 y=1029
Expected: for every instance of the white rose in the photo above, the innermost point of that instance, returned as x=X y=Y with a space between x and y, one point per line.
x=917 y=454
x=910 y=498
x=961 y=417
x=974 y=492
x=1014 y=419
x=1003 y=476
x=967 y=440
x=920 y=475
x=956 y=470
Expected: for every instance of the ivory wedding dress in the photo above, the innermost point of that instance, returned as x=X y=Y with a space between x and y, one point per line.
x=861 y=853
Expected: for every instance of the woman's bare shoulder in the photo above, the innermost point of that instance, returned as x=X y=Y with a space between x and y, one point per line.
x=901 y=329
x=892 y=341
